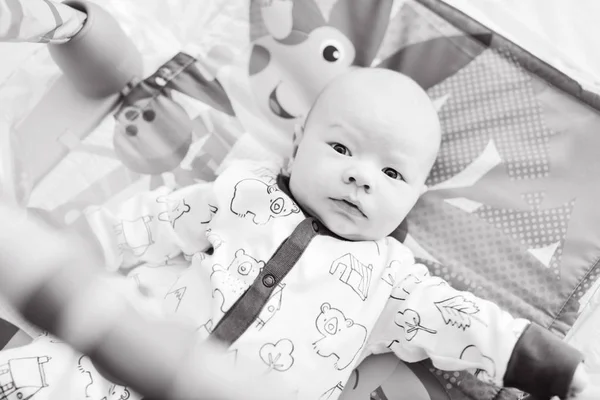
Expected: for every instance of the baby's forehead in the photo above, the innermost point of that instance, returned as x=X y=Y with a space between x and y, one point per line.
x=380 y=93
x=381 y=116
x=379 y=103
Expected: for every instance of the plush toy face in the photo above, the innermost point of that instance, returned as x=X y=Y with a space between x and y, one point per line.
x=286 y=77
x=152 y=141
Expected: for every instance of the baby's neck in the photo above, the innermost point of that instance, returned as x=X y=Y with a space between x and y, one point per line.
x=283 y=182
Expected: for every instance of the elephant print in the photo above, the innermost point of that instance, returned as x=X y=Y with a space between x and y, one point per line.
x=176 y=209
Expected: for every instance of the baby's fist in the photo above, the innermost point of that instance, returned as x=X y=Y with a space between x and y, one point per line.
x=579 y=384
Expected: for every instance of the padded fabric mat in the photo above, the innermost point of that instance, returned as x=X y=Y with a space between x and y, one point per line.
x=510 y=213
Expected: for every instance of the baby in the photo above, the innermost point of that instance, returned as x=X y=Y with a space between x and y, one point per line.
x=299 y=274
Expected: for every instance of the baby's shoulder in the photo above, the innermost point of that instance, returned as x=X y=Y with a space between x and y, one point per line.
x=266 y=171
x=397 y=251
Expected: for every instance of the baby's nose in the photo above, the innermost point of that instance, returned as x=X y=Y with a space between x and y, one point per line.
x=360 y=182
x=360 y=177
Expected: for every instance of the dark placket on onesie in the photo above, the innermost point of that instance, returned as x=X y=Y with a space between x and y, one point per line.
x=246 y=309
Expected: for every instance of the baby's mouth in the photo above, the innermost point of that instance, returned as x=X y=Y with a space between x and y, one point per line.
x=349 y=207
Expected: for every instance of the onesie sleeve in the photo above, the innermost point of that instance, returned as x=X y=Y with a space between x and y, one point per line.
x=152 y=227
x=426 y=318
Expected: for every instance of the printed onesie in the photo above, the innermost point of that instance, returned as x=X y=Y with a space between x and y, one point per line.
x=340 y=302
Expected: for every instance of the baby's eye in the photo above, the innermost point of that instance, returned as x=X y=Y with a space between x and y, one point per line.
x=340 y=148
x=392 y=173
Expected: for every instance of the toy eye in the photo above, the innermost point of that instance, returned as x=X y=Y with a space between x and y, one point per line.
x=131 y=130
x=331 y=51
x=149 y=115
x=131 y=115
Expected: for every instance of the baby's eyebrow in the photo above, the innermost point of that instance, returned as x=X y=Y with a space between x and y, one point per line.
x=348 y=132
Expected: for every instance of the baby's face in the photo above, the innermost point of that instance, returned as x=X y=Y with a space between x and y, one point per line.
x=362 y=161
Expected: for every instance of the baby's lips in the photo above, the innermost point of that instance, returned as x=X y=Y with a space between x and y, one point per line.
x=277 y=16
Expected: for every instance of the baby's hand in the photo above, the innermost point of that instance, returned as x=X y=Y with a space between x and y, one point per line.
x=580 y=386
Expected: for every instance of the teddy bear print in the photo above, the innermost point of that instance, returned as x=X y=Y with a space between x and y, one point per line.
x=231 y=282
x=342 y=337
x=253 y=196
x=176 y=209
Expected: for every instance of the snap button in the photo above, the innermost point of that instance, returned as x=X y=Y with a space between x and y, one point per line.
x=315 y=226
x=268 y=280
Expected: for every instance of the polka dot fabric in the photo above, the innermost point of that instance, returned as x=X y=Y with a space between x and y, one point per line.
x=534 y=199
x=534 y=229
x=587 y=284
x=491 y=99
x=475 y=255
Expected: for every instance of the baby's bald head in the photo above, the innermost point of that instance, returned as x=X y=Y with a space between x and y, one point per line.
x=385 y=100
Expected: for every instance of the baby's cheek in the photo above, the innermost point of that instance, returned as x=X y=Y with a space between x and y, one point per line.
x=392 y=208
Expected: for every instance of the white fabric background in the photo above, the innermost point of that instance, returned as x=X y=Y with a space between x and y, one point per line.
x=563 y=33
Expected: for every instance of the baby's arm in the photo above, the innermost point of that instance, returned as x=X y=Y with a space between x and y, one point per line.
x=60 y=288
x=426 y=318
x=154 y=226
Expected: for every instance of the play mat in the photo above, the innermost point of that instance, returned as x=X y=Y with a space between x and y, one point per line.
x=511 y=213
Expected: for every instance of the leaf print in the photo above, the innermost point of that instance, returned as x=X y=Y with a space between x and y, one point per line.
x=457 y=311
x=410 y=321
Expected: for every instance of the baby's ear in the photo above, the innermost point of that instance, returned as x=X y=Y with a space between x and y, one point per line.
x=298 y=135
x=297 y=138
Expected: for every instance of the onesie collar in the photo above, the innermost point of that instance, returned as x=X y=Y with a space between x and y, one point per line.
x=283 y=182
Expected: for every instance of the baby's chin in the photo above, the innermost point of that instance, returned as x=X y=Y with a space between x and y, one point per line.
x=355 y=233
